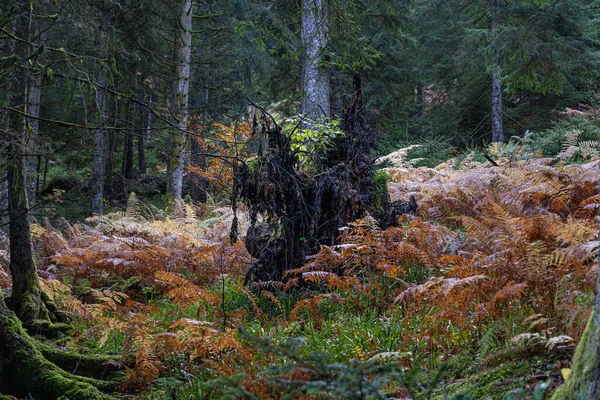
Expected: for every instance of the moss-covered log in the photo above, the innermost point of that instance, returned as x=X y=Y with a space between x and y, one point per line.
x=24 y=370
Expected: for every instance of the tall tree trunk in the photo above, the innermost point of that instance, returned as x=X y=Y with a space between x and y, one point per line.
x=315 y=78
x=183 y=55
x=36 y=40
x=418 y=102
x=144 y=137
x=3 y=197
x=109 y=166
x=128 y=147
x=27 y=298
x=101 y=134
x=497 y=128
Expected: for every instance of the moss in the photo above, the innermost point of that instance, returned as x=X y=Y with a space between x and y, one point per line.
x=90 y=365
x=379 y=196
x=491 y=383
x=253 y=164
x=582 y=370
x=25 y=370
x=49 y=329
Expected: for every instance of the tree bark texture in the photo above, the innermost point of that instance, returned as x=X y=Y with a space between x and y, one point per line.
x=315 y=77
x=128 y=147
x=143 y=138
x=101 y=134
x=179 y=136
x=497 y=127
x=27 y=297
x=37 y=38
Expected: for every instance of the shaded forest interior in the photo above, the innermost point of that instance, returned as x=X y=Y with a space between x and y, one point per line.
x=299 y=199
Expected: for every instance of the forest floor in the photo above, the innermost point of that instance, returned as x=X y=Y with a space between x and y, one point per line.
x=484 y=293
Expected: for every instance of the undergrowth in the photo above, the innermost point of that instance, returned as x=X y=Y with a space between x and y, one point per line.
x=497 y=268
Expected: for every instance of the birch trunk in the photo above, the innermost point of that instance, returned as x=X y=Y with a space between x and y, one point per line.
x=178 y=139
x=497 y=128
x=315 y=78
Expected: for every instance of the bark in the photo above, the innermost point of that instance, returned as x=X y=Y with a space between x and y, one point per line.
x=37 y=38
x=178 y=138
x=101 y=134
x=3 y=199
x=144 y=138
x=497 y=128
x=27 y=297
x=109 y=187
x=128 y=149
x=141 y=152
x=315 y=78
x=33 y=108
x=418 y=102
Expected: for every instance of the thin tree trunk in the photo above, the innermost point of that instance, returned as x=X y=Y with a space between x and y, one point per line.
x=34 y=92
x=418 y=102
x=3 y=197
x=497 y=128
x=315 y=78
x=128 y=147
x=178 y=140
x=144 y=138
x=33 y=105
x=100 y=136
x=109 y=187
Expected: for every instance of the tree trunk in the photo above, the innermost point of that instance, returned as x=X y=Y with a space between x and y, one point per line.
x=144 y=138
x=128 y=148
x=25 y=372
x=178 y=139
x=497 y=128
x=37 y=38
x=101 y=134
x=315 y=78
x=109 y=187
x=27 y=298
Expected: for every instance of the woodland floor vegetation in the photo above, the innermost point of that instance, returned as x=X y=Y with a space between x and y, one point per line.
x=484 y=293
